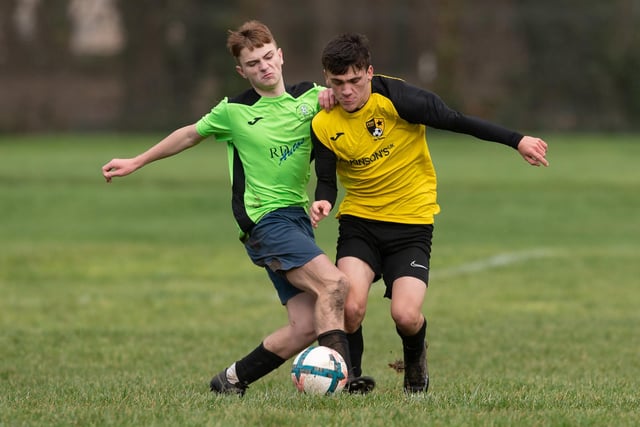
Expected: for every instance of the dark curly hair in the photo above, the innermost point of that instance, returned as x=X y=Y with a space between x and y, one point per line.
x=345 y=51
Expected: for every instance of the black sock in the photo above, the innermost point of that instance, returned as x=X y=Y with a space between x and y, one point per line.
x=356 y=349
x=337 y=340
x=412 y=346
x=257 y=364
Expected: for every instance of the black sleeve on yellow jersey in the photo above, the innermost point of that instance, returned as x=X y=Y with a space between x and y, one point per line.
x=326 y=187
x=417 y=105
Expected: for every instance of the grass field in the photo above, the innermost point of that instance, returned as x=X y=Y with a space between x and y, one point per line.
x=118 y=302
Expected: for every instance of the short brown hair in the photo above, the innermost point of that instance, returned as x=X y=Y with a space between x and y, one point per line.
x=251 y=35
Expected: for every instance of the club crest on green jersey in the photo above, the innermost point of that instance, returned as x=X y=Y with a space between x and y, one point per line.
x=305 y=112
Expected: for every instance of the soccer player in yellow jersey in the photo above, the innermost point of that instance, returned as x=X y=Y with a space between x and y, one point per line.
x=376 y=142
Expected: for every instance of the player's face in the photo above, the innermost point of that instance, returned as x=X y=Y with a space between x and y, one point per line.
x=352 y=89
x=262 y=66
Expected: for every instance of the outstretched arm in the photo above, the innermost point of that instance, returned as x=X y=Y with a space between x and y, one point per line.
x=421 y=106
x=533 y=150
x=177 y=141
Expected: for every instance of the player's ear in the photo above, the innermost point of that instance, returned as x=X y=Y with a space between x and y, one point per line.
x=281 y=56
x=241 y=71
x=370 y=72
x=326 y=78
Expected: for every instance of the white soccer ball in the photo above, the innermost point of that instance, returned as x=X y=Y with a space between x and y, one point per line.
x=319 y=370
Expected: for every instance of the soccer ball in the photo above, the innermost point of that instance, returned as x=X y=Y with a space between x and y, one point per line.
x=319 y=370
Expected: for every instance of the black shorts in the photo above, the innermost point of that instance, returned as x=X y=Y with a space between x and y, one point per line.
x=391 y=249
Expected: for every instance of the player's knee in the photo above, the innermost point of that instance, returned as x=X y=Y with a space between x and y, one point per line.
x=407 y=320
x=343 y=284
x=337 y=287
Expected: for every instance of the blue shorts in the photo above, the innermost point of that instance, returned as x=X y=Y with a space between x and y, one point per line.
x=282 y=240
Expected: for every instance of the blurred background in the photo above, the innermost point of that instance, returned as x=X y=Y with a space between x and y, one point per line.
x=153 y=65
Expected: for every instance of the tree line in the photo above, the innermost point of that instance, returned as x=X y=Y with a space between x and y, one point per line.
x=561 y=65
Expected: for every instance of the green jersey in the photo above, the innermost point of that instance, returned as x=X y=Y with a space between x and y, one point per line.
x=269 y=148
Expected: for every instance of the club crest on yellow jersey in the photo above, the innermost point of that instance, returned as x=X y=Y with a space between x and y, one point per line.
x=375 y=126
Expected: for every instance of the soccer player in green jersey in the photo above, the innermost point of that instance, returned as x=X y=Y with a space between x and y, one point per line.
x=376 y=143
x=267 y=133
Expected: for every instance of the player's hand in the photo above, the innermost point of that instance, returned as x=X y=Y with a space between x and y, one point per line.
x=533 y=150
x=318 y=211
x=327 y=99
x=118 y=167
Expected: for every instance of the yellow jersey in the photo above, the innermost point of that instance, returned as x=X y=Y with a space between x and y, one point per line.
x=381 y=155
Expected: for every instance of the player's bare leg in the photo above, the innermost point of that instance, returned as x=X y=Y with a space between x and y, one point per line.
x=321 y=278
x=330 y=285
x=360 y=277
x=273 y=351
x=406 y=311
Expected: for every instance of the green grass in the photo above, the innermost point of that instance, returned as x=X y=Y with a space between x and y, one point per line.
x=118 y=302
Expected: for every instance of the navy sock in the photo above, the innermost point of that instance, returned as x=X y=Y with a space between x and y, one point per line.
x=257 y=364
x=413 y=345
x=356 y=349
x=337 y=340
